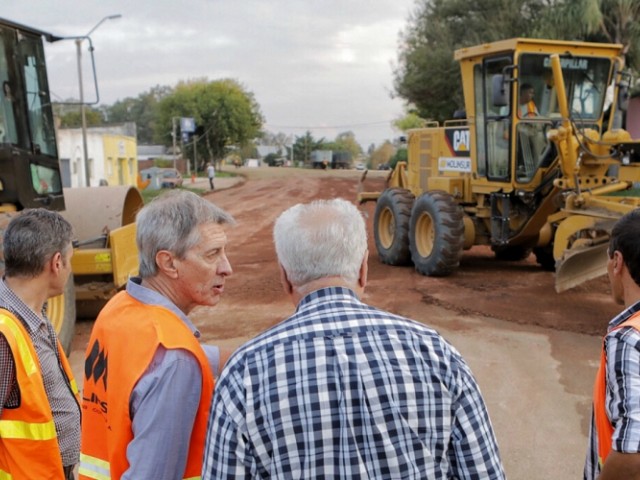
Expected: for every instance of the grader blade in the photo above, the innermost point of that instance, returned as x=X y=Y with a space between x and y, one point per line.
x=585 y=263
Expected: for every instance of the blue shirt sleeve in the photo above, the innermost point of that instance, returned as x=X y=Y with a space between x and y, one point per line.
x=163 y=406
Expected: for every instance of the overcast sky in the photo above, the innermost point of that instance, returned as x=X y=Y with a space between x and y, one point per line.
x=319 y=65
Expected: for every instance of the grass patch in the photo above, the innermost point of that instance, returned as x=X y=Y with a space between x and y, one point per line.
x=148 y=195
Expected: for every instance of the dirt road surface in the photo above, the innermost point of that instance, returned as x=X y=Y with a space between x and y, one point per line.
x=534 y=352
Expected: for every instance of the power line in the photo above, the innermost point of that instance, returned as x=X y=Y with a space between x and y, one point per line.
x=327 y=127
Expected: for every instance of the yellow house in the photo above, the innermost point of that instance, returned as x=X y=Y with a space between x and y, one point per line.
x=120 y=159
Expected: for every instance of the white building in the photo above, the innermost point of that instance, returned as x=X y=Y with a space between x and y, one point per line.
x=111 y=153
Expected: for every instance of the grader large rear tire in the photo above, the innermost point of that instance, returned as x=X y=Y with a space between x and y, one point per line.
x=391 y=226
x=436 y=235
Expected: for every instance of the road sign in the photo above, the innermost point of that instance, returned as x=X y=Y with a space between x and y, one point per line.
x=187 y=125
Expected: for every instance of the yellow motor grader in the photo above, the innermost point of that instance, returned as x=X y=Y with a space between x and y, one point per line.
x=539 y=163
x=105 y=253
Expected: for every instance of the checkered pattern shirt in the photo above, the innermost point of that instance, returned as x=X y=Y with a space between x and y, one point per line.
x=344 y=390
x=65 y=408
x=623 y=392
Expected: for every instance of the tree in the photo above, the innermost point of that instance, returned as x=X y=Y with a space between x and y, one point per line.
x=382 y=154
x=345 y=142
x=303 y=146
x=409 y=121
x=611 y=21
x=226 y=111
x=142 y=110
x=427 y=75
x=73 y=118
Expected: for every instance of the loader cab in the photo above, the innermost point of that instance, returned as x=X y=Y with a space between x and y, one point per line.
x=29 y=168
x=517 y=104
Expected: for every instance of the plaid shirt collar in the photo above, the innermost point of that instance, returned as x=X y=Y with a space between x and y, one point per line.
x=13 y=303
x=623 y=316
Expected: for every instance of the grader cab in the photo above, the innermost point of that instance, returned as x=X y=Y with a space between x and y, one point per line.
x=105 y=252
x=539 y=164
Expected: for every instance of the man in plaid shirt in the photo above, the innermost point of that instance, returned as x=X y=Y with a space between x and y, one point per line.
x=614 y=439
x=341 y=389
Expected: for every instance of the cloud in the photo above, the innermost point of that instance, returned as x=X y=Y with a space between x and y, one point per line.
x=318 y=65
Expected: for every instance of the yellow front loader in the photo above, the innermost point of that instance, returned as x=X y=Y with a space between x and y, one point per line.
x=105 y=253
x=547 y=174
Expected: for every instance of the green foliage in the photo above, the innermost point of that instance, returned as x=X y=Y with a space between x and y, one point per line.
x=73 y=118
x=142 y=110
x=409 y=121
x=345 y=142
x=401 y=155
x=226 y=113
x=303 y=146
x=427 y=76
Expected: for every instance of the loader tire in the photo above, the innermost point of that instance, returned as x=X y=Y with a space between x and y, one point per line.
x=391 y=226
x=511 y=253
x=436 y=234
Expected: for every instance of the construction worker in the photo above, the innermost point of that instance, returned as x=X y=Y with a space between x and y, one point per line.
x=614 y=446
x=39 y=403
x=527 y=107
x=148 y=380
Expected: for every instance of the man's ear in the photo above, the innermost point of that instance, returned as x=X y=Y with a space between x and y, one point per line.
x=618 y=262
x=166 y=263
x=284 y=280
x=56 y=262
x=364 y=270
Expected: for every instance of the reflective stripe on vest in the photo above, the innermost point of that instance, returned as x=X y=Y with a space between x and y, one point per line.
x=25 y=355
x=5 y=475
x=92 y=467
x=603 y=426
x=15 y=428
x=29 y=431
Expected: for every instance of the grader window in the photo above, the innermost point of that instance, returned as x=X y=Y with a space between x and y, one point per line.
x=586 y=80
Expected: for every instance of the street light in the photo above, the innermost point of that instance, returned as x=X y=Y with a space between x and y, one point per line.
x=79 y=41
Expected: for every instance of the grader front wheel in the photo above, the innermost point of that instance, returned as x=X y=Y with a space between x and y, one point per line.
x=391 y=226
x=436 y=235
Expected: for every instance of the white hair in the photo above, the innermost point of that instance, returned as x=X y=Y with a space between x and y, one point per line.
x=325 y=238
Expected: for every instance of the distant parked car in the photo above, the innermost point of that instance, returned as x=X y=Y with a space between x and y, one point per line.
x=384 y=166
x=360 y=166
x=170 y=178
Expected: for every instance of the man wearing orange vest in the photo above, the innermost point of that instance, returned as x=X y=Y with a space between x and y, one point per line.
x=527 y=107
x=148 y=380
x=614 y=445
x=39 y=403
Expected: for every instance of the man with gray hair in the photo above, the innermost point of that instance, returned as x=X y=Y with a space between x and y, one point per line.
x=148 y=381
x=39 y=401
x=341 y=389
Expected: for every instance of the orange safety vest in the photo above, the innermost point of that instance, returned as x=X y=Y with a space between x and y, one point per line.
x=124 y=339
x=28 y=441
x=604 y=428
x=531 y=111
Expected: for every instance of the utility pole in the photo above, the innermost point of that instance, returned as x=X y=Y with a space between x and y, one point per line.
x=83 y=114
x=173 y=135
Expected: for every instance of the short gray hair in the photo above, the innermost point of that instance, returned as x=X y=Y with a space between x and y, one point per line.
x=32 y=238
x=324 y=238
x=170 y=222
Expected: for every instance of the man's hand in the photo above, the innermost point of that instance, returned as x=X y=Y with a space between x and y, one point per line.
x=620 y=466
